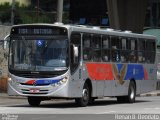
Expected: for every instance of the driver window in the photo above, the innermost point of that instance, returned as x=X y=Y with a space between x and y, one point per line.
x=87 y=49
x=75 y=41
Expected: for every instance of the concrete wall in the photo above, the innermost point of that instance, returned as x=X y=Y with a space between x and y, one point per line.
x=4 y=30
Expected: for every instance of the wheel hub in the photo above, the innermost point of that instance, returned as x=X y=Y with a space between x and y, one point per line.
x=132 y=93
x=85 y=95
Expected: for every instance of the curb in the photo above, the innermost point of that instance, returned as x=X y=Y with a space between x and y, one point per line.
x=149 y=94
x=153 y=93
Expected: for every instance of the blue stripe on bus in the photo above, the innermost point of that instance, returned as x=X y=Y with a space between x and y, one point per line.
x=45 y=82
x=135 y=71
x=41 y=82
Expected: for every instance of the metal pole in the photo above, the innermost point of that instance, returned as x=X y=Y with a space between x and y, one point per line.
x=59 y=10
x=37 y=10
x=157 y=21
x=12 y=12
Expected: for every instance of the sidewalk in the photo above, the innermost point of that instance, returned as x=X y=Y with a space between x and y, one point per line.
x=153 y=93
x=5 y=95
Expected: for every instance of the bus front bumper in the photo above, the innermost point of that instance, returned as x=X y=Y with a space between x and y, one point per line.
x=41 y=91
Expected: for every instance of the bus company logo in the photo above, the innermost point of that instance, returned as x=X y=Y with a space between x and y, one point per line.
x=40 y=43
x=120 y=75
x=34 y=83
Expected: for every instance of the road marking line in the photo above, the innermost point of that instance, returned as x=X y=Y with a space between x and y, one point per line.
x=156 y=108
x=107 y=112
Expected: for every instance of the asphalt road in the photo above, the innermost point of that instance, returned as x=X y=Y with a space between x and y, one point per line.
x=103 y=106
x=67 y=109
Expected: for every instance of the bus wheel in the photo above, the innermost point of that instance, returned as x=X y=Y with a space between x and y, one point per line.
x=34 y=101
x=84 y=100
x=91 y=100
x=131 y=93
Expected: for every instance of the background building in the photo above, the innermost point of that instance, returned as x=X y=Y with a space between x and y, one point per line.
x=90 y=12
x=153 y=13
x=83 y=11
x=152 y=21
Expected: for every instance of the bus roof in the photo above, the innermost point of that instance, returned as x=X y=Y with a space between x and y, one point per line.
x=92 y=29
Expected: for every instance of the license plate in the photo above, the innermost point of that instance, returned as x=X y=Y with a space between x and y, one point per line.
x=34 y=90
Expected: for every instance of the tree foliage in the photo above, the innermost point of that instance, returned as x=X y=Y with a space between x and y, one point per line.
x=44 y=12
x=23 y=14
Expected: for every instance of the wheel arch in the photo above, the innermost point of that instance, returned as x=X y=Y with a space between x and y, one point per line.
x=89 y=83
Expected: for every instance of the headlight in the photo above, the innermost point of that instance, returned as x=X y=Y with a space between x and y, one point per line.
x=12 y=80
x=64 y=80
x=9 y=79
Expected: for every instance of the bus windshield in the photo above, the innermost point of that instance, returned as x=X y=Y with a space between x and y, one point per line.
x=38 y=54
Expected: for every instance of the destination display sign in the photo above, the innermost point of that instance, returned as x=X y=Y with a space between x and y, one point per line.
x=31 y=30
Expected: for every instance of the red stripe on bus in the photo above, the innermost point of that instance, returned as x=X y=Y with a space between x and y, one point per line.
x=145 y=74
x=100 y=71
x=30 y=82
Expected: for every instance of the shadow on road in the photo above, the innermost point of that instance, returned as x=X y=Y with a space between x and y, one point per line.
x=71 y=104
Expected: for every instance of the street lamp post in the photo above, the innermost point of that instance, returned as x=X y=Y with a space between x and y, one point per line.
x=37 y=10
x=59 y=10
x=12 y=12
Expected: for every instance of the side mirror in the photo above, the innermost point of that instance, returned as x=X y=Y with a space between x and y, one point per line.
x=6 y=42
x=75 y=50
x=74 y=54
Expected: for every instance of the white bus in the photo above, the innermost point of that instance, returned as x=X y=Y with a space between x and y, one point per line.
x=49 y=61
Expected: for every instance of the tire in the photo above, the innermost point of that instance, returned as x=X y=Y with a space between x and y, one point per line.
x=84 y=100
x=131 y=93
x=130 y=98
x=91 y=100
x=34 y=101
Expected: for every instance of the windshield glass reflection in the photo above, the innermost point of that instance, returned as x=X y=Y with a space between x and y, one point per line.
x=38 y=54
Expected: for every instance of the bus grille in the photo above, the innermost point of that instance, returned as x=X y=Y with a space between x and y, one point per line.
x=26 y=91
x=34 y=84
x=36 y=76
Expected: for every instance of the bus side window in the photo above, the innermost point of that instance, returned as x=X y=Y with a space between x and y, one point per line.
x=116 y=46
x=132 y=50
x=141 y=50
x=132 y=57
x=150 y=51
x=96 y=47
x=106 y=48
x=124 y=51
x=153 y=49
x=87 y=51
